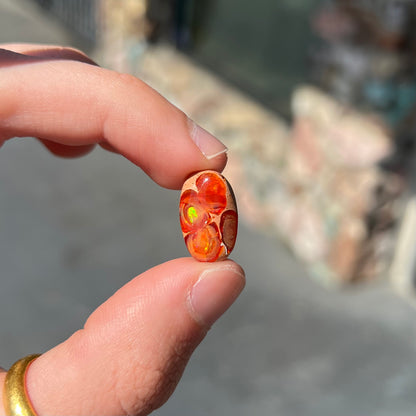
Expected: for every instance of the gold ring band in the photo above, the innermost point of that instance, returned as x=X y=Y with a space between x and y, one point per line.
x=16 y=400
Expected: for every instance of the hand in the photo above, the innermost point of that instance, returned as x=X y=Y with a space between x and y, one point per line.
x=132 y=350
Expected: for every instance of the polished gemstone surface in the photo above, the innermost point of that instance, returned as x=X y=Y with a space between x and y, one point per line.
x=208 y=216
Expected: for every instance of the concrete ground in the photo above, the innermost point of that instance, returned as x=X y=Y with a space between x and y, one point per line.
x=73 y=231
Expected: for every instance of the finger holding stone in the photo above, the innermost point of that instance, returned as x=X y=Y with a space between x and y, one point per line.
x=76 y=104
x=133 y=348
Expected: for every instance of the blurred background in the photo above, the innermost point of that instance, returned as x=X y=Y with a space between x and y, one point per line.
x=316 y=102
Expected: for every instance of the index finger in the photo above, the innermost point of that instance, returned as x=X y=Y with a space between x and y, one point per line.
x=74 y=103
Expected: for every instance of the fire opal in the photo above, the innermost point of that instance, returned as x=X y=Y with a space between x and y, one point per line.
x=208 y=215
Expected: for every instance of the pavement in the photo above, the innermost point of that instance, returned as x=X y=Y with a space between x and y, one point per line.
x=73 y=231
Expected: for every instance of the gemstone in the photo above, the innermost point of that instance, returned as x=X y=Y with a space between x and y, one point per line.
x=193 y=214
x=205 y=243
x=229 y=228
x=212 y=188
x=208 y=216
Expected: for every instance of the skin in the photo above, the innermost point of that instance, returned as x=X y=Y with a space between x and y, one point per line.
x=131 y=352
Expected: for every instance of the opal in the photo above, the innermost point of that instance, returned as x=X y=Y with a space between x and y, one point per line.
x=208 y=216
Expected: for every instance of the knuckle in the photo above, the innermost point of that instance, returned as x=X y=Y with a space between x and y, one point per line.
x=128 y=82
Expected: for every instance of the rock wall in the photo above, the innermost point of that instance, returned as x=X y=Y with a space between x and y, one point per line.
x=316 y=183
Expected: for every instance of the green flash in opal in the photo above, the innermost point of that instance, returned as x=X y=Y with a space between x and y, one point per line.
x=192 y=214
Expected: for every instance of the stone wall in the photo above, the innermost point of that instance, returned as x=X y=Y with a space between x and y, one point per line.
x=316 y=183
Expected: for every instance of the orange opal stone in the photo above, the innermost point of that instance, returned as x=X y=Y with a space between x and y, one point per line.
x=208 y=216
x=204 y=244
x=213 y=190
x=193 y=214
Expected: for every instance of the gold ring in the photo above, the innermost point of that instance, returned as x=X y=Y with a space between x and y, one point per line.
x=16 y=400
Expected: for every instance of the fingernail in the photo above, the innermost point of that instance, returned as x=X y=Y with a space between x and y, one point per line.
x=214 y=292
x=209 y=145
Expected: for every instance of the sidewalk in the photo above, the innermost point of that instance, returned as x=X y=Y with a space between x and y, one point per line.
x=74 y=231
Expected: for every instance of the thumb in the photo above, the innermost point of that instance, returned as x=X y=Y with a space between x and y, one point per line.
x=133 y=348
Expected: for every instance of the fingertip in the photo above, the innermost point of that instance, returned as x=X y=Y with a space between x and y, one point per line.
x=206 y=152
x=208 y=144
x=216 y=289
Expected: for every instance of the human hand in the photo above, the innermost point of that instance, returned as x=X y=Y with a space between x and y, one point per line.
x=132 y=350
